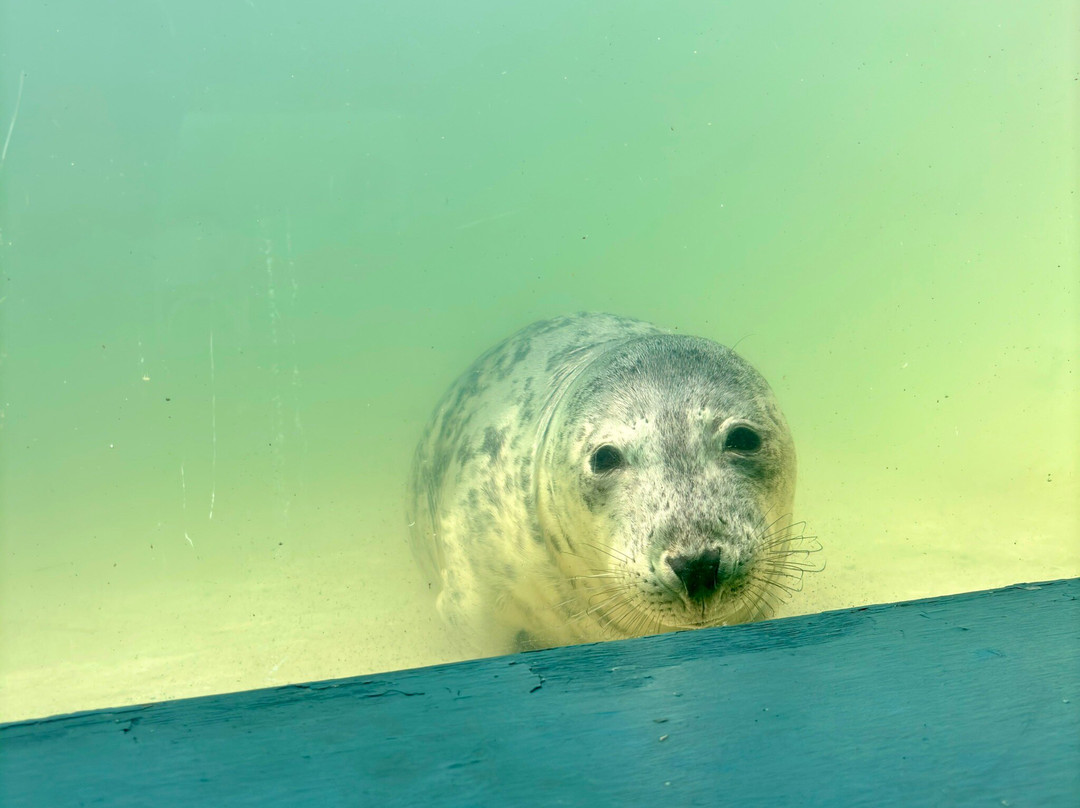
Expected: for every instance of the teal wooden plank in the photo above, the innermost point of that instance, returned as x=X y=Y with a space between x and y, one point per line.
x=964 y=700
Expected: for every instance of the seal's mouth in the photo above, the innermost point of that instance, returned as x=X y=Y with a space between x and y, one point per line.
x=697 y=584
x=732 y=601
x=719 y=583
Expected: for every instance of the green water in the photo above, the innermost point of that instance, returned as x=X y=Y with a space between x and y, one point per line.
x=244 y=246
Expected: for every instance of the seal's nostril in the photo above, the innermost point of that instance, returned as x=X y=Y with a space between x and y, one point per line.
x=700 y=573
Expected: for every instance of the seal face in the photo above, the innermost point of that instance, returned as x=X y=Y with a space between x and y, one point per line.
x=594 y=477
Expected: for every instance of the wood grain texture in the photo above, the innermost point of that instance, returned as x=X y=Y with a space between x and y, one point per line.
x=963 y=700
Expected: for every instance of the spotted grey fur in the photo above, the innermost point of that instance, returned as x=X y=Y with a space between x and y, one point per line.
x=533 y=542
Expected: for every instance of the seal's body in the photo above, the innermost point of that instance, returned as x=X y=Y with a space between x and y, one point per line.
x=594 y=477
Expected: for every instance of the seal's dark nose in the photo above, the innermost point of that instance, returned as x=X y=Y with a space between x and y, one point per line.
x=700 y=574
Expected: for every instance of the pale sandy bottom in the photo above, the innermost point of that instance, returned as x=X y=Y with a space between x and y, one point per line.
x=350 y=611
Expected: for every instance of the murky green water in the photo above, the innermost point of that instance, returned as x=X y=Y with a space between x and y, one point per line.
x=246 y=245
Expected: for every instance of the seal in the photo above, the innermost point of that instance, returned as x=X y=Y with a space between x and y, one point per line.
x=595 y=477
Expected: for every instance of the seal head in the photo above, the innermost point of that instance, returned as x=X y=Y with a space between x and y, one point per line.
x=665 y=479
x=594 y=477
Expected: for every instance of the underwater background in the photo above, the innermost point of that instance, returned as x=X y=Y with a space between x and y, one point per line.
x=245 y=246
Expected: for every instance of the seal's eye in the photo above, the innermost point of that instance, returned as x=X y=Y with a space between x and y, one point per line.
x=606 y=458
x=742 y=439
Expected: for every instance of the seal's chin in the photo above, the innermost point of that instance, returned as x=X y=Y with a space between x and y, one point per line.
x=707 y=592
x=724 y=606
x=655 y=605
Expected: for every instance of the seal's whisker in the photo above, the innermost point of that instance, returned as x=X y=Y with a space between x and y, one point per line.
x=643 y=614
x=588 y=604
x=762 y=583
x=641 y=625
x=612 y=552
x=804 y=546
x=636 y=625
x=764 y=602
x=611 y=595
x=786 y=531
x=616 y=613
x=594 y=576
x=582 y=584
x=772 y=529
x=657 y=625
x=580 y=597
x=757 y=591
x=782 y=538
x=792 y=547
x=791 y=589
x=612 y=591
x=608 y=593
x=789 y=583
x=789 y=570
x=630 y=626
x=773 y=584
x=602 y=619
x=575 y=555
x=660 y=621
x=608 y=549
x=754 y=602
x=793 y=559
x=776 y=594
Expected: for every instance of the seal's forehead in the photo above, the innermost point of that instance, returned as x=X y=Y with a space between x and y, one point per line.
x=673 y=371
x=659 y=352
